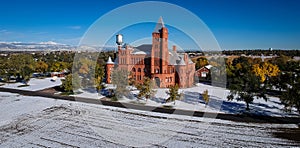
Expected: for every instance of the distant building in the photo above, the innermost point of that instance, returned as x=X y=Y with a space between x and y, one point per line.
x=203 y=71
x=166 y=67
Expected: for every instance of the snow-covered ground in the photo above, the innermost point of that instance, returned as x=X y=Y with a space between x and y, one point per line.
x=90 y=94
x=192 y=100
x=34 y=84
x=41 y=122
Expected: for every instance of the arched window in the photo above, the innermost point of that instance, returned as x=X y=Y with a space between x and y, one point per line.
x=139 y=70
x=133 y=69
x=157 y=71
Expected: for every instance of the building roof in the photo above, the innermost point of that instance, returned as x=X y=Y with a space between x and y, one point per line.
x=190 y=61
x=181 y=62
x=173 y=57
x=208 y=66
x=143 y=49
x=159 y=25
x=138 y=52
x=109 y=61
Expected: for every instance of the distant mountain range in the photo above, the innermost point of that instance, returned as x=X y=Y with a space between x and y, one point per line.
x=20 y=46
x=53 y=46
x=44 y=46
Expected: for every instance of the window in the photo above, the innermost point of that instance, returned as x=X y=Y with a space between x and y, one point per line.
x=139 y=77
x=133 y=69
x=203 y=74
x=139 y=70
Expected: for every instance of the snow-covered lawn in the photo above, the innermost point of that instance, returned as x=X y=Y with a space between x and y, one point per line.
x=12 y=106
x=34 y=84
x=28 y=121
x=90 y=93
x=192 y=100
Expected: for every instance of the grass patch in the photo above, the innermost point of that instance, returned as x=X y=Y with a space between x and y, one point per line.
x=25 y=85
x=114 y=98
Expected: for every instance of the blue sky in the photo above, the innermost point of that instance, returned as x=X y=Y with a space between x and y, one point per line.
x=236 y=24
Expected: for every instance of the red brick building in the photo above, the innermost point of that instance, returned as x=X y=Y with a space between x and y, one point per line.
x=203 y=71
x=166 y=67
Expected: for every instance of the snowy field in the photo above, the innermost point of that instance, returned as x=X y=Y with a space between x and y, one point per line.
x=90 y=94
x=192 y=100
x=34 y=84
x=41 y=122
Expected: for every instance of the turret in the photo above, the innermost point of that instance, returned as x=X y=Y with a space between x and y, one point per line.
x=109 y=68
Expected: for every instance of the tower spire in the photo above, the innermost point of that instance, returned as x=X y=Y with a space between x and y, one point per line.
x=159 y=24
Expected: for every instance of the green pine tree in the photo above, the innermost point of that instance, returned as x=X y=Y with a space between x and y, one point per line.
x=146 y=89
x=173 y=93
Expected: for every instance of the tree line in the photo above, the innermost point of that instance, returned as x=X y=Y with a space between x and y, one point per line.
x=252 y=78
x=22 y=66
x=259 y=52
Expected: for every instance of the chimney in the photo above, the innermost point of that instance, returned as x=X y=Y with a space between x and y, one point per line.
x=174 y=48
x=186 y=58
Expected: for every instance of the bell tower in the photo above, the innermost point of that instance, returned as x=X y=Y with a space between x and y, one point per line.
x=159 y=53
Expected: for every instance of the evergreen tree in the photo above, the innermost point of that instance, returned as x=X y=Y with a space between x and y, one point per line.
x=120 y=80
x=71 y=83
x=99 y=75
x=146 y=89
x=291 y=97
x=173 y=93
